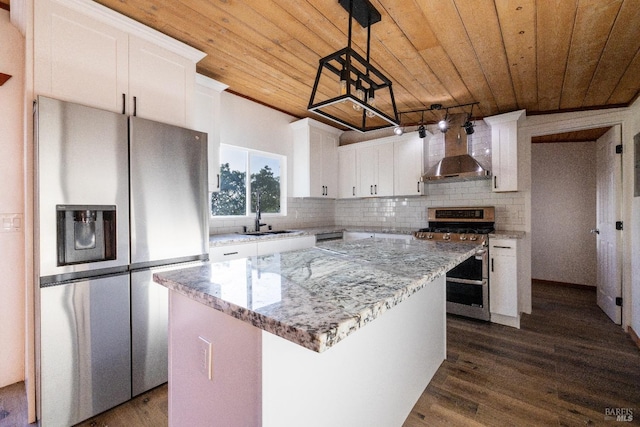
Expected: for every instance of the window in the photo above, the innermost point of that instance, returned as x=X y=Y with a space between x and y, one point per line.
x=265 y=175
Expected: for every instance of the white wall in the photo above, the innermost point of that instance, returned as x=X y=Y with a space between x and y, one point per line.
x=244 y=123
x=12 y=289
x=563 y=210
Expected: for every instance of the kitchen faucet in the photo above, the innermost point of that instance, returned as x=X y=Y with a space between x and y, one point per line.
x=258 y=214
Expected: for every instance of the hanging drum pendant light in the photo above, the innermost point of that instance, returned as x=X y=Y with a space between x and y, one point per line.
x=371 y=103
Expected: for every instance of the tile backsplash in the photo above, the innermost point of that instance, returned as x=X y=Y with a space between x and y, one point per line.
x=411 y=212
x=389 y=213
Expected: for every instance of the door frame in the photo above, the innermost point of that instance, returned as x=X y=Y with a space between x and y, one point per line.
x=548 y=124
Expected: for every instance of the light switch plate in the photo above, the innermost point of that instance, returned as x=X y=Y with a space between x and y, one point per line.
x=11 y=222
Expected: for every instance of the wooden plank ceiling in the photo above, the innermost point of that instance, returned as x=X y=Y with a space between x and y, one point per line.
x=540 y=55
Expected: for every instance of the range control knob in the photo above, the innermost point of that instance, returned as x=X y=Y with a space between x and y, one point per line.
x=447 y=236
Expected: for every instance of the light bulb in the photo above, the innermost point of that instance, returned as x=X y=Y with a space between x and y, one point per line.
x=371 y=100
x=344 y=81
x=359 y=94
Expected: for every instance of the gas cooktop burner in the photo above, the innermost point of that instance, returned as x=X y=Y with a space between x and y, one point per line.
x=456 y=230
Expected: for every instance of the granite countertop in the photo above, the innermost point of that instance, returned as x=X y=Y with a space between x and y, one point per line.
x=234 y=238
x=316 y=297
x=507 y=234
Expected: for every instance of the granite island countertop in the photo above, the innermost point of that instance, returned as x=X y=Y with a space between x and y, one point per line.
x=316 y=297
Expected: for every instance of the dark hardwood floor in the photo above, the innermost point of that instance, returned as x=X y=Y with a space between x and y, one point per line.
x=564 y=367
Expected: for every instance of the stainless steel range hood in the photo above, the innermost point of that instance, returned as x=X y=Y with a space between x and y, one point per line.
x=457 y=164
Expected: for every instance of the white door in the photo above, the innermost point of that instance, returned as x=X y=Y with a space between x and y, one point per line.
x=609 y=186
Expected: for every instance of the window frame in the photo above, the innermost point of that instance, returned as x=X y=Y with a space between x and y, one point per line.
x=249 y=211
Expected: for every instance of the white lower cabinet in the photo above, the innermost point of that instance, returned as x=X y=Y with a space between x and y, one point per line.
x=503 y=281
x=257 y=248
x=358 y=235
x=268 y=247
x=348 y=236
x=227 y=252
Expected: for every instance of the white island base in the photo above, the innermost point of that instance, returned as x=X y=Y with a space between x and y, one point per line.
x=372 y=378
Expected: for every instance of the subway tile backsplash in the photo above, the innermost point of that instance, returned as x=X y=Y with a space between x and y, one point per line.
x=390 y=213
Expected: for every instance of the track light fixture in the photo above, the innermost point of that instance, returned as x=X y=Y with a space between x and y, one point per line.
x=422 y=131
x=398 y=130
x=468 y=126
x=443 y=124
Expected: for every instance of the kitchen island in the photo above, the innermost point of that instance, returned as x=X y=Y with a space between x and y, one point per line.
x=346 y=333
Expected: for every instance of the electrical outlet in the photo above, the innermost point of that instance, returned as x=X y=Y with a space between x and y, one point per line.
x=205 y=358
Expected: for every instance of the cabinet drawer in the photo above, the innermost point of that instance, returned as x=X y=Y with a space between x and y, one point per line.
x=502 y=247
x=226 y=252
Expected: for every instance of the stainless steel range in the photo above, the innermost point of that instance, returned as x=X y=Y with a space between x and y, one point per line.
x=468 y=283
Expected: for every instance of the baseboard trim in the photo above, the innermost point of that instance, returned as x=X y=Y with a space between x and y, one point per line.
x=568 y=285
x=633 y=336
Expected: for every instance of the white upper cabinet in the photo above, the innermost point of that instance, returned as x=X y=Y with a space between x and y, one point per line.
x=78 y=58
x=390 y=166
x=375 y=169
x=161 y=83
x=315 y=159
x=207 y=119
x=89 y=54
x=504 y=150
x=347 y=175
x=408 y=161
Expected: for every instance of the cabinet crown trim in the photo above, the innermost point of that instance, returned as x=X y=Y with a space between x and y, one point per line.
x=505 y=118
x=210 y=83
x=305 y=123
x=132 y=27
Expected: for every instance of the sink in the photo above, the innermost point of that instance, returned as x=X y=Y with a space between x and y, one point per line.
x=268 y=233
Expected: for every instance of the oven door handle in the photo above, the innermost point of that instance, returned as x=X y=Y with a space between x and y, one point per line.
x=467 y=281
x=480 y=254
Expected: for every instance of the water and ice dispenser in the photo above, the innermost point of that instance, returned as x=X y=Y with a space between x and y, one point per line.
x=86 y=233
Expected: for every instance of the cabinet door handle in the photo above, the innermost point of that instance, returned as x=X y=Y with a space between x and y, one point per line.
x=218 y=176
x=326 y=190
x=354 y=191
x=230 y=253
x=495 y=181
x=502 y=247
x=124 y=103
x=492 y=265
x=418 y=186
x=135 y=106
x=371 y=190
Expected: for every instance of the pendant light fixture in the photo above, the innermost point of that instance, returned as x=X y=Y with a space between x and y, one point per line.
x=348 y=89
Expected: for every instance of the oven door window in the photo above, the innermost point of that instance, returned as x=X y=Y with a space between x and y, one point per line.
x=469 y=269
x=463 y=293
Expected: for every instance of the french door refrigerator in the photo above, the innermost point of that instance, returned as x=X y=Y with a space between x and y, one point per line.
x=117 y=198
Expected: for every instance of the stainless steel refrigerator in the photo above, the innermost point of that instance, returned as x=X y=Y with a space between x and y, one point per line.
x=117 y=198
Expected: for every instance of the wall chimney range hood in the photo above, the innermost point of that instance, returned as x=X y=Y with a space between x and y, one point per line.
x=457 y=164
